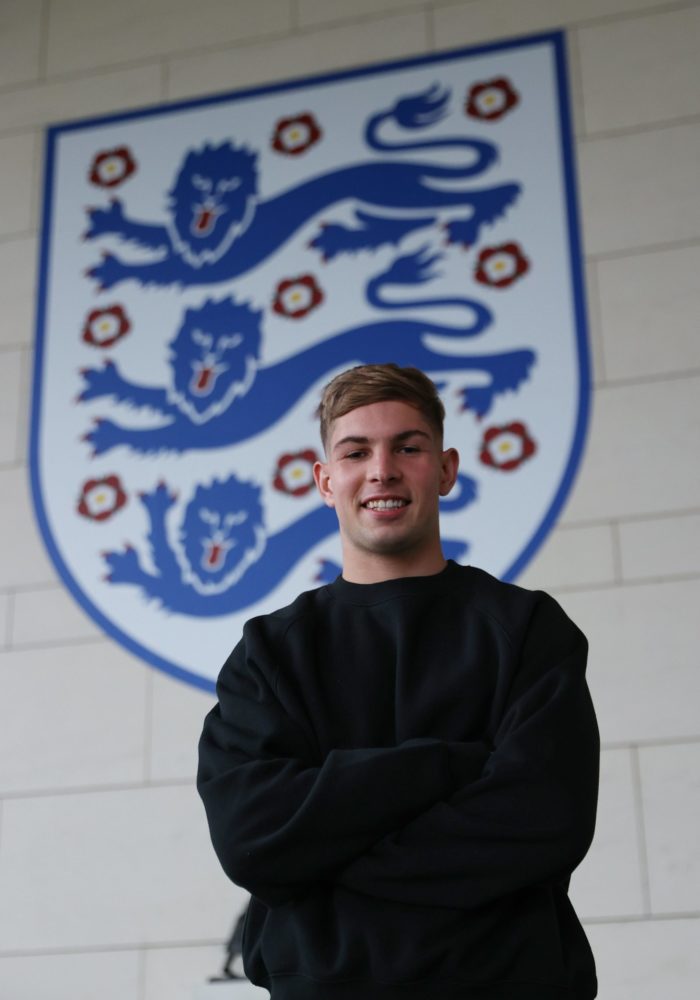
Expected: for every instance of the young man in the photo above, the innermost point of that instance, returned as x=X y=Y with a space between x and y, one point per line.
x=402 y=768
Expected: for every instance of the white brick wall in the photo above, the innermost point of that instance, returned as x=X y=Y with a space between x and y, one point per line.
x=108 y=886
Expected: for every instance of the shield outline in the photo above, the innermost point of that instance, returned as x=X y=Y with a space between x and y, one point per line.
x=556 y=40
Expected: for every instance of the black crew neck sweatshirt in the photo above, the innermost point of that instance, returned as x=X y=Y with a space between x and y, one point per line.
x=404 y=776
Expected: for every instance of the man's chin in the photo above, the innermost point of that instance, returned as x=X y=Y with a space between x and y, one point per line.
x=388 y=543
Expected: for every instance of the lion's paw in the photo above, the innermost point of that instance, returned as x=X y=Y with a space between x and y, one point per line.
x=123 y=567
x=159 y=500
x=108 y=272
x=99 y=382
x=104 y=436
x=463 y=231
x=102 y=221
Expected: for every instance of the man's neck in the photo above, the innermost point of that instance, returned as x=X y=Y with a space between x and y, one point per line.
x=375 y=568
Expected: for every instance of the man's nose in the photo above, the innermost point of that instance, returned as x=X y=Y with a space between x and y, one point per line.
x=384 y=468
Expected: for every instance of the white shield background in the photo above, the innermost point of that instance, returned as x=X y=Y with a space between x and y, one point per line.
x=542 y=311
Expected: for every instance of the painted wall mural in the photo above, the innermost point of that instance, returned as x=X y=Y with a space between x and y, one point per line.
x=207 y=267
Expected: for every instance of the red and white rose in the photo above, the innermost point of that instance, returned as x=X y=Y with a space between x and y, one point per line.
x=296 y=297
x=507 y=447
x=491 y=99
x=104 y=327
x=293 y=136
x=112 y=167
x=101 y=498
x=295 y=472
x=500 y=266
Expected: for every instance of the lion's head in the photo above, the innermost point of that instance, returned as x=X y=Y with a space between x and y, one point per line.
x=221 y=534
x=214 y=357
x=212 y=201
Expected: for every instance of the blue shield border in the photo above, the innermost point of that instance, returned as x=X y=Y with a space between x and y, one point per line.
x=557 y=41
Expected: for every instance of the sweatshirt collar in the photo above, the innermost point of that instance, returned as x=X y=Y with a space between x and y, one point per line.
x=373 y=593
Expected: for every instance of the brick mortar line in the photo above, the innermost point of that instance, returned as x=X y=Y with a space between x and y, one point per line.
x=116 y=788
x=575 y=588
x=44 y=28
x=139 y=62
x=27 y=234
x=642 y=251
x=651 y=744
x=437 y=6
x=429 y=6
x=20 y=348
x=641 y=833
x=29 y=647
x=616 y=545
x=9 y=625
x=36 y=131
x=23 y=414
x=92 y=72
x=657 y=125
x=143 y=948
x=632 y=918
x=220 y=942
x=112 y=948
x=430 y=30
x=188 y=782
x=628 y=518
x=99 y=639
x=141 y=974
x=148 y=725
x=301 y=29
x=594 y=323
x=164 y=80
x=676 y=376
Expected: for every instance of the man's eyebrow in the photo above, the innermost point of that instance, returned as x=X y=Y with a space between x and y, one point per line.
x=351 y=439
x=403 y=436
x=409 y=434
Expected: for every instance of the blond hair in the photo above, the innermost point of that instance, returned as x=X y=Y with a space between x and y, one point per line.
x=366 y=384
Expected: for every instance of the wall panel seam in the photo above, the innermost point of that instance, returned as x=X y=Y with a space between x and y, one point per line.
x=658 y=125
x=641 y=831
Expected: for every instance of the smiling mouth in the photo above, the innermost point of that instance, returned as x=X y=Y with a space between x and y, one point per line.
x=392 y=504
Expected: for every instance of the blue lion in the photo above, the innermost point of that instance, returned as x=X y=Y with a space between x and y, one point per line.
x=220 y=394
x=218 y=229
x=214 y=358
x=221 y=534
x=212 y=201
x=224 y=559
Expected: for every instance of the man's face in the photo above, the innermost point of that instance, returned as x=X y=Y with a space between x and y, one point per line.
x=384 y=474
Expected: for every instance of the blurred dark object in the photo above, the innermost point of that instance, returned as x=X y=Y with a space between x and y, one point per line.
x=233 y=951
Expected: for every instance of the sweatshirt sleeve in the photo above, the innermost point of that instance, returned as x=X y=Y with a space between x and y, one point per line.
x=281 y=820
x=528 y=819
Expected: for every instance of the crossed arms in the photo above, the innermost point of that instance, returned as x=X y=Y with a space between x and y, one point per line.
x=426 y=822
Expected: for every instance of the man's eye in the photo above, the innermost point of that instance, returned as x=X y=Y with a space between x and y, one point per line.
x=409 y=449
x=355 y=454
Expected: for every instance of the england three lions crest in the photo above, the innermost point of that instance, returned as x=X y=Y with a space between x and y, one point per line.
x=208 y=267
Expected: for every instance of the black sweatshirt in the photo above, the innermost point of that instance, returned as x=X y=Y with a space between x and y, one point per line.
x=404 y=775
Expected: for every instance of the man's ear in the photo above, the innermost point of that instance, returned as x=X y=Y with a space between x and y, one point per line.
x=449 y=468
x=322 y=479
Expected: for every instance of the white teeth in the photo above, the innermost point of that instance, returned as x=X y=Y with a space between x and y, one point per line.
x=384 y=504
